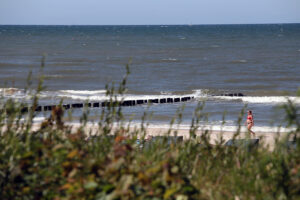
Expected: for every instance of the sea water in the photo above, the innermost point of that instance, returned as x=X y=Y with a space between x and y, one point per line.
x=203 y=61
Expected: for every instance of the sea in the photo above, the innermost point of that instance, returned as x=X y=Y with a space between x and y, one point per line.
x=204 y=61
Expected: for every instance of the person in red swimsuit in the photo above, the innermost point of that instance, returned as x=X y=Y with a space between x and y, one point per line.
x=250 y=122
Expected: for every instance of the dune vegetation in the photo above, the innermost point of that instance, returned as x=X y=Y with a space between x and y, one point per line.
x=55 y=161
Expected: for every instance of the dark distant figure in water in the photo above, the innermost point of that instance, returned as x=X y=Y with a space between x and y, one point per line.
x=250 y=122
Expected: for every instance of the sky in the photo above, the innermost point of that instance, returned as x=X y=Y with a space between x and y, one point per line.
x=147 y=12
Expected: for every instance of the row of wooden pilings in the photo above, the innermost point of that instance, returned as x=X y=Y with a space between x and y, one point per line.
x=106 y=103
x=124 y=103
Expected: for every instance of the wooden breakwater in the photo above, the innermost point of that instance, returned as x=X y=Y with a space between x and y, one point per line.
x=42 y=108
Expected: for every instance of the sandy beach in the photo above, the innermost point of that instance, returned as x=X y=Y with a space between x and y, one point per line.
x=267 y=139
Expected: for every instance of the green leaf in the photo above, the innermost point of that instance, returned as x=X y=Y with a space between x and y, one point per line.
x=90 y=185
x=108 y=188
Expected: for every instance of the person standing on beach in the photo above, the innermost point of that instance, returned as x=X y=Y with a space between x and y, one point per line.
x=250 y=122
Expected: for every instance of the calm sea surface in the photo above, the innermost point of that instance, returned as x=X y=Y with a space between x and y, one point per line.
x=260 y=61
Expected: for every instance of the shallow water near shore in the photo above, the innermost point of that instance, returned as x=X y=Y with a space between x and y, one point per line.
x=260 y=61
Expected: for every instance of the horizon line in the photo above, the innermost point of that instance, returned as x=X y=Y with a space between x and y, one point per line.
x=150 y=24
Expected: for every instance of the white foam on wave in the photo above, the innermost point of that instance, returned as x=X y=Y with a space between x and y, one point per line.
x=92 y=95
x=225 y=128
x=83 y=92
x=21 y=94
x=196 y=94
x=261 y=99
x=35 y=119
x=199 y=93
x=84 y=97
x=216 y=128
x=10 y=91
x=264 y=129
x=14 y=93
x=239 y=61
x=170 y=59
x=38 y=119
x=118 y=97
x=136 y=97
x=100 y=95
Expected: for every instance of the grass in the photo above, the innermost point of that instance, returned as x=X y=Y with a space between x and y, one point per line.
x=54 y=162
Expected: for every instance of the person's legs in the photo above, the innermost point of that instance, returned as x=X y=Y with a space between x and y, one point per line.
x=249 y=129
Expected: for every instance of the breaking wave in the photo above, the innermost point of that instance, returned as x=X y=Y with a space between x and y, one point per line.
x=261 y=99
x=83 y=92
x=217 y=126
x=100 y=95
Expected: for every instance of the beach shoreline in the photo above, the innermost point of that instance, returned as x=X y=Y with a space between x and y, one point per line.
x=266 y=139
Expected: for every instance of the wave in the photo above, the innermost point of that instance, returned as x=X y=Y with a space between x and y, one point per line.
x=83 y=92
x=239 y=61
x=217 y=126
x=200 y=93
x=261 y=99
x=53 y=76
x=92 y=95
x=35 y=119
x=169 y=59
x=84 y=98
x=14 y=93
x=118 y=97
x=100 y=95
x=10 y=91
x=264 y=129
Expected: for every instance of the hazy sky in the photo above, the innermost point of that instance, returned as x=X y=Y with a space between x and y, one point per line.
x=125 y=12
